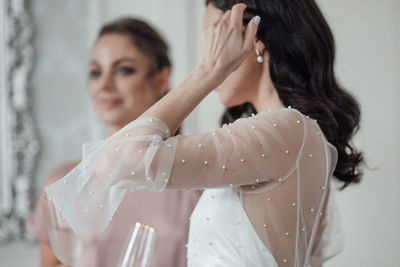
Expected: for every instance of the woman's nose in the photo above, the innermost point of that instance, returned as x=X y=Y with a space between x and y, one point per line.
x=106 y=82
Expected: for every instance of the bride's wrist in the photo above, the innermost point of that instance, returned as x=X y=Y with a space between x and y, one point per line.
x=211 y=77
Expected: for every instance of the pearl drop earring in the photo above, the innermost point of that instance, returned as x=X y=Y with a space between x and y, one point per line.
x=260 y=58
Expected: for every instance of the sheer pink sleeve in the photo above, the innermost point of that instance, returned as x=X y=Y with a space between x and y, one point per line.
x=36 y=224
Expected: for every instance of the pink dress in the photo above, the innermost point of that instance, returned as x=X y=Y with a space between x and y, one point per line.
x=168 y=212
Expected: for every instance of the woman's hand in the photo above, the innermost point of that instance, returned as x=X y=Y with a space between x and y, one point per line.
x=224 y=47
x=225 y=44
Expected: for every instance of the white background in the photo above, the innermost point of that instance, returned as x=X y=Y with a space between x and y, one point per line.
x=367 y=35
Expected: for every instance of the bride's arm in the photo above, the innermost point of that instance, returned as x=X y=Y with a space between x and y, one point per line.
x=223 y=48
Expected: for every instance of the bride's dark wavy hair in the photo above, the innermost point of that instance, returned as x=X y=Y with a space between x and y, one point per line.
x=302 y=53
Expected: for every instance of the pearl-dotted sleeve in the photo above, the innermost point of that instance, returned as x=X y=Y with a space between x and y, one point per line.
x=142 y=156
x=252 y=151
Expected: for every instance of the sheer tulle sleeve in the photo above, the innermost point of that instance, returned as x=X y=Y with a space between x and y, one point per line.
x=260 y=151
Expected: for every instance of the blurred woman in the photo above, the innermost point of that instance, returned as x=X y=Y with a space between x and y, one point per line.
x=129 y=71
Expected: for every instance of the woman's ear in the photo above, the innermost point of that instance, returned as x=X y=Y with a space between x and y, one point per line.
x=161 y=80
x=261 y=49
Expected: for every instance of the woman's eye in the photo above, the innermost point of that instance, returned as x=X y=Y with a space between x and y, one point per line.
x=93 y=74
x=126 y=71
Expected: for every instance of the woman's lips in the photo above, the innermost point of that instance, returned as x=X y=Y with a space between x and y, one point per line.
x=109 y=102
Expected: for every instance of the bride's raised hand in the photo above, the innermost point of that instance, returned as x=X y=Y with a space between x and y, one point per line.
x=225 y=45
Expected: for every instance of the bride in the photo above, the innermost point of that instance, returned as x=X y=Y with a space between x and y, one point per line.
x=268 y=199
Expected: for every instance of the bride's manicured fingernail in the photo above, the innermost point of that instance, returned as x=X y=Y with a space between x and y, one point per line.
x=257 y=20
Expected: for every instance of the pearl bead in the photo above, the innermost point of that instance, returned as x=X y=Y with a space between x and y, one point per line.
x=320 y=214
x=263 y=155
x=274 y=125
x=310 y=156
x=298 y=122
x=253 y=187
x=166 y=180
x=253 y=127
x=148 y=178
x=307 y=117
x=318 y=133
x=86 y=210
x=312 y=210
x=151 y=120
x=205 y=162
x=265 y=225
x=252 y=114
x=200 y=145
x=322 y=187
x=133 y=172
x=287 y=152
x=268 y=199
x=223 y=167
x=224 y=125
x=241 y=160
x=257 y=180
x=231 y=185
x=169 y=145
x=65 y=181
x=280 y=180
x=294 y=204
x=101 y=205
x=164 y=173
x=140 y=151
x=286 y=234
x=154 y=137
x=214 y=134
x=284 y=260
x=107 y=142
x=110 y=175
x=183 y=161
x=229 y=131
x=91 y=192
x=289 y=107
x=303 y=229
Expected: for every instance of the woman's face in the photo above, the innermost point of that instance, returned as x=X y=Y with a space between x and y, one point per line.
x=238 y=87
x=119 y=81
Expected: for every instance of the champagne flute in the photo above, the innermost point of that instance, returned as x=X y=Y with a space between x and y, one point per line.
x=139 y=247
x=65 y=244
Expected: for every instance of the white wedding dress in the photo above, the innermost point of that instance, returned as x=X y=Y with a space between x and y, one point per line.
x=222 y=235
x=268 y=199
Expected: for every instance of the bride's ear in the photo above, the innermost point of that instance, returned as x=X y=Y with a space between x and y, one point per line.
x=260 y=48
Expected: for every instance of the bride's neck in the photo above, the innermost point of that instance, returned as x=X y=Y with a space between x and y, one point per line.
x=266 y=96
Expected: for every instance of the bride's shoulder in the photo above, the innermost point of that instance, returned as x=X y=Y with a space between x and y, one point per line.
x=288 y=116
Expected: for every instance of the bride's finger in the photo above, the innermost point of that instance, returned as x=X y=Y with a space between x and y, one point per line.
x=226 y=17
x=250 y=34
x=237 y=15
